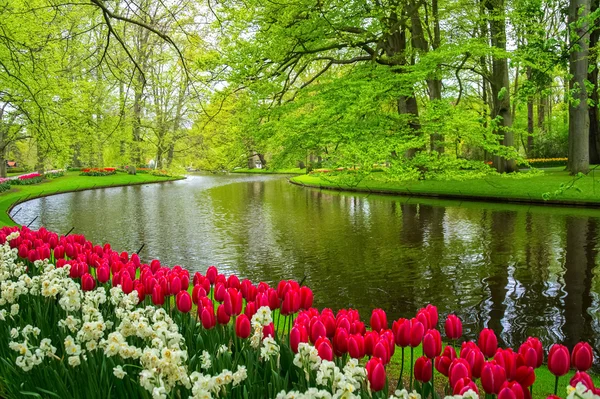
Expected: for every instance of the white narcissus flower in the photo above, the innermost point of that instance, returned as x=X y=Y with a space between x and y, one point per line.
x=119 y=372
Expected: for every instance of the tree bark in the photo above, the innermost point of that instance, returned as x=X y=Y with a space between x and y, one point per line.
x=529 y=147
x=579 y=122
x=500 y=84
x=594 y=137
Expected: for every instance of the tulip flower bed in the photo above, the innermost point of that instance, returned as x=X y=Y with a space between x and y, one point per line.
x=31 y=178
x=82 y=320
x=98 y=172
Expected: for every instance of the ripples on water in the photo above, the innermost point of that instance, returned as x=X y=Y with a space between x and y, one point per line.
x=518 y=269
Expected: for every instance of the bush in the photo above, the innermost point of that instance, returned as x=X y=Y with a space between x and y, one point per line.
x=98 y=172
x=16 y=170
x=546 y=162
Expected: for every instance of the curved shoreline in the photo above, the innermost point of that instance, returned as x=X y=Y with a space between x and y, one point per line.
x=42 y=193
x=465 y=197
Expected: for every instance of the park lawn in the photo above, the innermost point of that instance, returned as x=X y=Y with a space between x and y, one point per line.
x=71 y=181
x=582 y=191
x=288 y=171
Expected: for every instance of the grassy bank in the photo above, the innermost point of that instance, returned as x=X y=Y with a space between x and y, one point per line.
x=71 y=181
x=562 y=188
x=290 y=171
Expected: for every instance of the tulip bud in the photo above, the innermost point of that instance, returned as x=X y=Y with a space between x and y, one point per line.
x=208 y=317
x=324 y=348
x=242 y=326
x=488 y=343
x=558 y=360
x=584 y=378
x=317 y=330
x=417 y=329
x=582 y=356
x=511 y=390
x=423 y=369
x=378 y=320
x=376 y=374
x=459 y=368
x=463 y=385
x=87 y=282
x=356 y=346
x=298 y=335
x=442 y=363
x=340 y=342
x=103 y=274
x=432 y=343
x=211 y=274
x=453 y=327
x=493 y=377
x=157 y=295
x=222 y=315
x=269 y=330
x=183 y=301
x=306 y=298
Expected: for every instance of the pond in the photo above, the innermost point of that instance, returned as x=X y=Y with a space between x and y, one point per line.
x=518 y=269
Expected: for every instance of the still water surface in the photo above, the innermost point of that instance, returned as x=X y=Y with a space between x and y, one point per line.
x=518 y=269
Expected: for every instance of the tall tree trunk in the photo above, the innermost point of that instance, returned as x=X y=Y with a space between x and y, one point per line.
x=500 y=84
x=594 y=137
x=529 y=147
x=579 y=122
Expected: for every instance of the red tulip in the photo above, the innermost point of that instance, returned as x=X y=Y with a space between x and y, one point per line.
x=442 y=363
x=511 y=390
x=525 y=376
x=317 y=330
x=532 y=353
x=493 y=377
x=222 y=316
x=324 y=348
x=306 y=298
x=103 y=274
x=208 y=317
x=269 y=330
x=220 y=291
x=459 y=368
x=453 y=327
x=416 y=332
x=432 y=343
x=211 y=274
x=356 y=346
x=381 y=351
x=582 y=356
x=297 y=335
x=508 y=359
x=250 y=309
x=242 y=326
x=378 y=320
x=584 y=378
x=376 y=374
x=87 y=282
x=340 y=342
x=433 y=315
x=157 y=295
x=233 y=282
x=423 y=369
x=558 y=360
x=371 y=338
x=488 y=343
x=184 y=301
x=274 y=301
x=175 y=285
x=463 y=385
x=473 y=355
x=401 y=329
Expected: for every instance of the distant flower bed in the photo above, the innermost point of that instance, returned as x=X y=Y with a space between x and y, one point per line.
x=23 y=180
x=4 y=185
x=98 y=172
x=547 y=162
x=162 y=173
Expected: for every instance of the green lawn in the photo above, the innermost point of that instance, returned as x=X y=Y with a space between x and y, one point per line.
x=583 y=191
x=71 y=181
x=289 y=171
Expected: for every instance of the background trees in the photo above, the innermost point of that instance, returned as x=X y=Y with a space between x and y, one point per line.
x=422 y=86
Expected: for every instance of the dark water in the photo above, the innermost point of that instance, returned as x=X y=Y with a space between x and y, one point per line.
x=520 y=270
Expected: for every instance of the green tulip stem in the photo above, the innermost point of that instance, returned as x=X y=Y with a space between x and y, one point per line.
x=400 y=382
x=556 y=385
x=432 y=384
x=411 y=367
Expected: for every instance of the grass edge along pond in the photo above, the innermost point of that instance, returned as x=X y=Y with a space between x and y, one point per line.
x=555 y=184
x=70 y=182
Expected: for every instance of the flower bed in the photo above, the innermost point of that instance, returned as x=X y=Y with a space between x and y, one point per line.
x=53 y=174
x=98 y=172
x=31 y=178
x=81 y=320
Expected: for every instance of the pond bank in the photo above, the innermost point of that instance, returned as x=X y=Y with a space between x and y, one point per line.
x=562 y=189
x=70 y=182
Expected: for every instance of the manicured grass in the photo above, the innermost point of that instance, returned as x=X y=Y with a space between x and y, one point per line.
x=580 y=191
x=71 y=181
x=289 y=171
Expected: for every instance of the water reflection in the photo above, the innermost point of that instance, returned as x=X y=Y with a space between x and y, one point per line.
x=520 y=270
